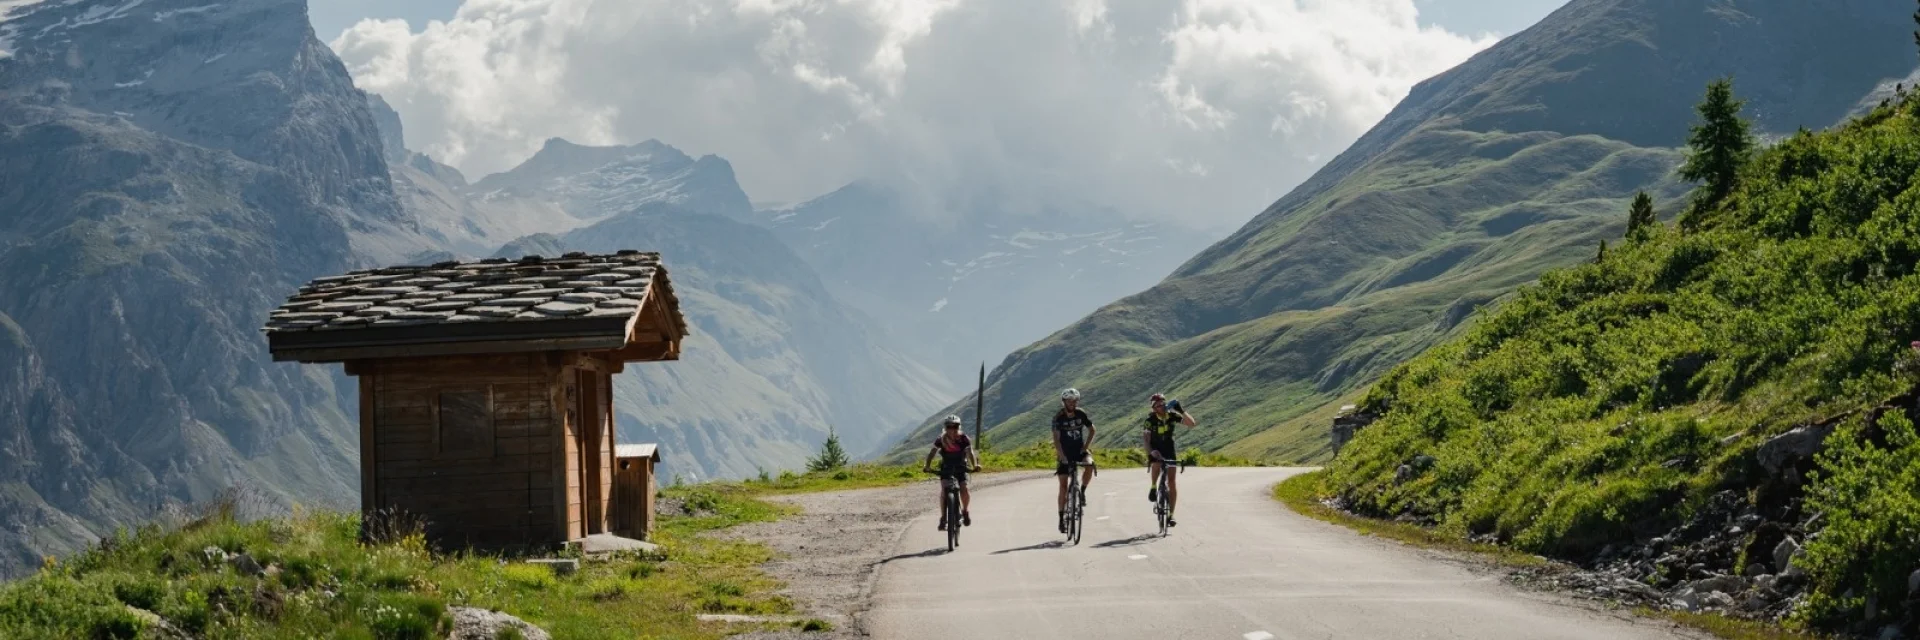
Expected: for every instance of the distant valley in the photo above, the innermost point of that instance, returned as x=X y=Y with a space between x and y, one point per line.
x=206 y=159
x=1519 y=160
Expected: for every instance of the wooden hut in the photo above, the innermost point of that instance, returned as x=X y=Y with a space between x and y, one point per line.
x=486 y=388
x=634 y=484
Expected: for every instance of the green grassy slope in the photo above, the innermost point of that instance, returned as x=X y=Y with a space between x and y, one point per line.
x=1607 y=402
x=1518 y=161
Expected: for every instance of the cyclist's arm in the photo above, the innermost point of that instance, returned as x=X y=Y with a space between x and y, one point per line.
x=1057 y=453
x=974 y=455
x=1090 y=434
x=1186 y=419
x=1146 y=442
x=931 y=453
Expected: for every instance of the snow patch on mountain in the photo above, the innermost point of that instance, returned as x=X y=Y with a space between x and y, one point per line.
x=10 y=9
x=168 y=14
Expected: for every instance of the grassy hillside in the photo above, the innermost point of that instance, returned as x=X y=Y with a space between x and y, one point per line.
x=1616 y=399
x=1518 y=161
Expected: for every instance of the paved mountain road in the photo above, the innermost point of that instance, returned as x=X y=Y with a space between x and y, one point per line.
x=1239 y=566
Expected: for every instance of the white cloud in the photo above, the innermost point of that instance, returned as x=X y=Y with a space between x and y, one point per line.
x=1036 y=101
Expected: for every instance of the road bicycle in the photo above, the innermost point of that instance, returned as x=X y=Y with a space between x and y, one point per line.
x=1077 y=499
x=1162 y=504
x=950 y=505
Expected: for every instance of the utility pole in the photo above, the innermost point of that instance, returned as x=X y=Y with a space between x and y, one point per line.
x=980 y=404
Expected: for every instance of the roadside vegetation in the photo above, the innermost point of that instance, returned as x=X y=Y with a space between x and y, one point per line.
x=309 y=575
x=1616 y=405
x=829 y=471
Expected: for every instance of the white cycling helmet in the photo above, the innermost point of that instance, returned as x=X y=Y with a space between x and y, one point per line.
x=951 y=420
x=1070 y=394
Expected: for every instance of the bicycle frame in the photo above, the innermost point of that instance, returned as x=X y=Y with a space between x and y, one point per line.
x=1163 y=504
x=950 y=504
x=1076 y=499
x=952 y=513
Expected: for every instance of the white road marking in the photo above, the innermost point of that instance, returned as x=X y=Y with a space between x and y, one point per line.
x=1258 y=635
x=1136 y=557
x=1113 y=493
x=1103 y=517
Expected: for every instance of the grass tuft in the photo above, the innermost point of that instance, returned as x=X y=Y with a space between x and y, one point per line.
x=322 y=578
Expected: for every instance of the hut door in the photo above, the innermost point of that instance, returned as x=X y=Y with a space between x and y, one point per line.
x=593 y=452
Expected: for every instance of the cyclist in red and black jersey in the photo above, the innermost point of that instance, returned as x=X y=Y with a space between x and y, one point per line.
x=957 y=457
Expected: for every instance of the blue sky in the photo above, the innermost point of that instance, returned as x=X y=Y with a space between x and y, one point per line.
x=330 y=17
x=1473 y=17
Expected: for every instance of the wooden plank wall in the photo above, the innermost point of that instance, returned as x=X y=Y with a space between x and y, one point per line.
x=648 y=483
x=501 y=497
x=628 y=481
x=571 y=425
x=606 y=442
x=633 y=498
x=585 y=393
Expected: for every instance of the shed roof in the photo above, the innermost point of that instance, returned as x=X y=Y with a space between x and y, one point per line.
x=648 y=450
x=578 y=301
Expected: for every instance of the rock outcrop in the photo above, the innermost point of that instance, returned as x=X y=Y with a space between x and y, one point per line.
x=173 y=167
x=1347 y=424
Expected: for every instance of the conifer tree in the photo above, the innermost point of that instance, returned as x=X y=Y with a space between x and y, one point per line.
x=1640 y=218
x=1720 y=144
x=831 y=455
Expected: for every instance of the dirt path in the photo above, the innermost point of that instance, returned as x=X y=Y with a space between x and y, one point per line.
x=830 y=553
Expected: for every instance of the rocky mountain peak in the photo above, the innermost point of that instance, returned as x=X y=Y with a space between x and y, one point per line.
x=393 y=139
x=244 y=76
x=593 y=182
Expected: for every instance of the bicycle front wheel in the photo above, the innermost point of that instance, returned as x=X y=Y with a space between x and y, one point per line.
x=953 y=522
x=1162 y=510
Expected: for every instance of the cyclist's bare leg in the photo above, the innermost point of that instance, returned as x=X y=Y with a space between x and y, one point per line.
x=1153 y=474
x=1086 y=478
x=965 y=498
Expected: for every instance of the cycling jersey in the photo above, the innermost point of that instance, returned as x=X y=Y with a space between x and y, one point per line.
x=1160 y=433
x=953 y=455
x=1072 y=428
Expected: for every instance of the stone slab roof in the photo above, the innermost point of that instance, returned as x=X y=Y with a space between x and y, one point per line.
x=575 y=295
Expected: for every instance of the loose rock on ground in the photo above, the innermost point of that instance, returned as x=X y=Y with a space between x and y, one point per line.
x=480 y=624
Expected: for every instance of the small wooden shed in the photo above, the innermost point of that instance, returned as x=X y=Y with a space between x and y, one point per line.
x=634 y=485
x=486 y=387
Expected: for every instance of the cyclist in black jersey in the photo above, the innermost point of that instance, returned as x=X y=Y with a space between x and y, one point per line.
x=1159 y=441
x=1072 y=440
x=957 y=457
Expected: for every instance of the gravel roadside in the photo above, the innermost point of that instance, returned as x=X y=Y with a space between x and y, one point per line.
x=829 y=554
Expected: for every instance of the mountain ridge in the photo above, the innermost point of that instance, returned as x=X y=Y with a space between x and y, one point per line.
x=1482 y=178
x=175 y=187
